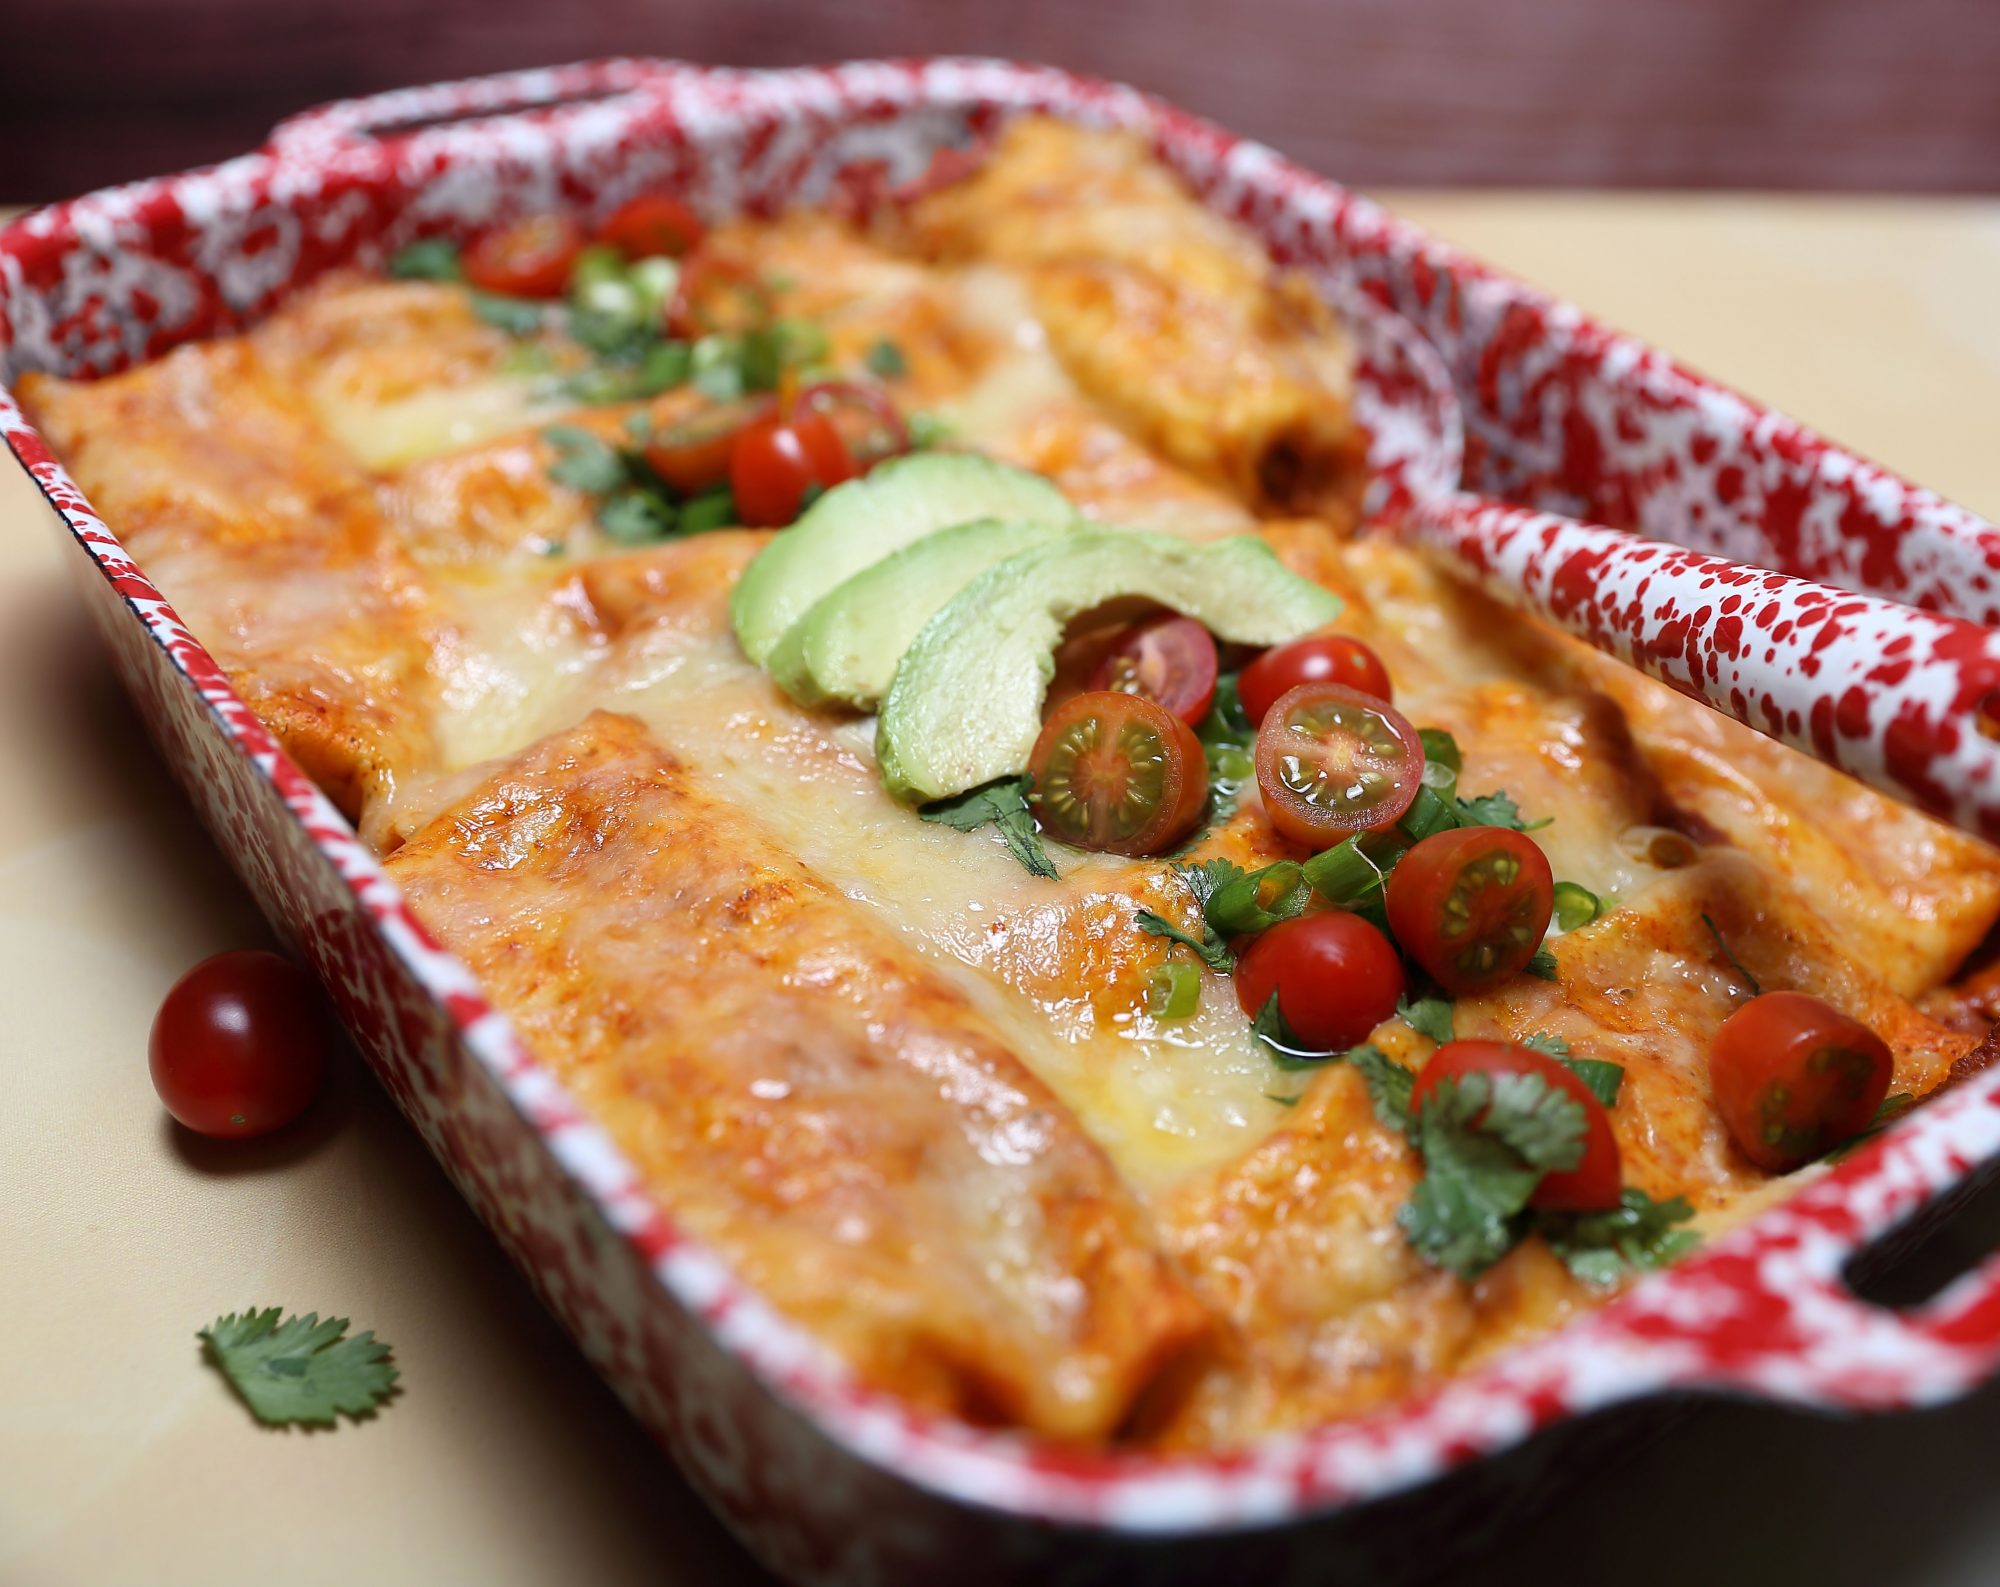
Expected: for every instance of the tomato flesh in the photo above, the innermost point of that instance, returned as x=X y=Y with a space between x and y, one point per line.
x=1322 y=658
x=1597 y=1181
x=1118 y=773
x=694 y=454
x=652 y=226
x=530 y=259
x=239 y=1045
x=1332 y=761
x=1335 y=976
x=1471 y=905
x=1170 y=660
x=1794 y=1077
x=776 y=461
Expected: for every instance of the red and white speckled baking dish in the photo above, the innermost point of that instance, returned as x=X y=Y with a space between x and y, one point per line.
x=826 y=1480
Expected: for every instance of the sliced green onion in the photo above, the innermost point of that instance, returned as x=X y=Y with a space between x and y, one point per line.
x=434 y=260
x=712 y=509
x=1354 y=871
x=1430 y=812
x=1575 y=906
x=654 y=280
x=1174 y=992
x=1441 y=749
x=1260 y=899
x=1226 y=760
x=598 y=263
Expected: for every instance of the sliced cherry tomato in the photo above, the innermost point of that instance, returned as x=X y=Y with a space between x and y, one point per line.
x=239 y=1044
x=777 y=460
x=694 y=454
x=1597 y=1181
x=863 y=413
x=652 y=226
x=1794 y=1077
x=1471 y=905
x=530 y=259
x=717 y=294
x=1118 y=773
x=1336 y=977
x=1332 y=761
x=1168 y=659
x=1323 y=658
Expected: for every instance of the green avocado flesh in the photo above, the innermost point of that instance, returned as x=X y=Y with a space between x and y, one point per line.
x=965 y=704
x=857 y=524
x=846 y=648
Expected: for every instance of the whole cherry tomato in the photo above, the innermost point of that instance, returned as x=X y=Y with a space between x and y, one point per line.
x=1471 y=905
x=530 y=259
x=239 y=1044
x=651 y=226
x=1597 y=1181
x=1118 y=773
x=1794 y=1077
x=1321 y=658
x=1332 y=761
x=1168 y=659
x=776 y=461
x=1336 y=977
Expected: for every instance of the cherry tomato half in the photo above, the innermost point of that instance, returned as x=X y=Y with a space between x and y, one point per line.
x=1336 y=977
x=1597 y=1181
x=239 y=1044
x=1471 y=905
x=717 y=294
x=863 y=414
x=1332 y=761
x=530 y=259
x=694 y=454
x=1323 y=658
x=1794 y=1077
x=1118 y=773
x=777 y=460
x=1168 y=659
x=651 y=226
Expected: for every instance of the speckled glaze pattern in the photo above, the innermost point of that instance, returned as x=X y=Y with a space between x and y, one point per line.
x=828 y=1481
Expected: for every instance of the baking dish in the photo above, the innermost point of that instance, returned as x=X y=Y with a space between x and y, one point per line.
x=827 y=1481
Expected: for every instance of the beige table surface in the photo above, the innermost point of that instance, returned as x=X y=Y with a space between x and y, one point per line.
x=122 y=1460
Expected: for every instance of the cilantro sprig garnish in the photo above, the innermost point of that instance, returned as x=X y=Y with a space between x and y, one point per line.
x=1002 y=804
x=301 y=1369
x=1203 y=882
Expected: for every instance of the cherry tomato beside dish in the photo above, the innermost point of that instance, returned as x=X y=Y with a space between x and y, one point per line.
x=1794 y=1077
x=530 y=259
x=1323 y=658
x=777 y=460
x=694 y=454
x=1336 y=977
x=652 y=226
x=239 y=1045
x=1118 y=773
x=1597 y=1180
x=1471 y=905
x=1170 y=660
x=1332 y=761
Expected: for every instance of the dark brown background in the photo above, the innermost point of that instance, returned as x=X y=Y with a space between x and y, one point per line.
x=1899 y=95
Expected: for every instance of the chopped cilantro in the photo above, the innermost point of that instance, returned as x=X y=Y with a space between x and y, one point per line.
x=1209 y=948
x=712 y=509
x=434 y=259
x=1003 y=804
x=584 y=461
x=1602 y=1247
x=1427 y=1016
x=1288 y=1051
x=1257 y=900
x=1542 y=1041
x=1389 y=1086
x=515 y=316
x=885 y=360
x=300 y=1370
x=1604 y=1078
x=636 y=515
x=1543 y=964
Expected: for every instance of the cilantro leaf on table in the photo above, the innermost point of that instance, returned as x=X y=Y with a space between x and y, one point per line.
x=1427 y=1016
x=1002 y=803
x=300 y=1370
x=1602 y=1247
x=1486 y=1141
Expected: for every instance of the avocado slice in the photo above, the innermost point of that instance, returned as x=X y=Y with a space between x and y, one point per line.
x=846 y=648
x=965 y=704
x=859 y=523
